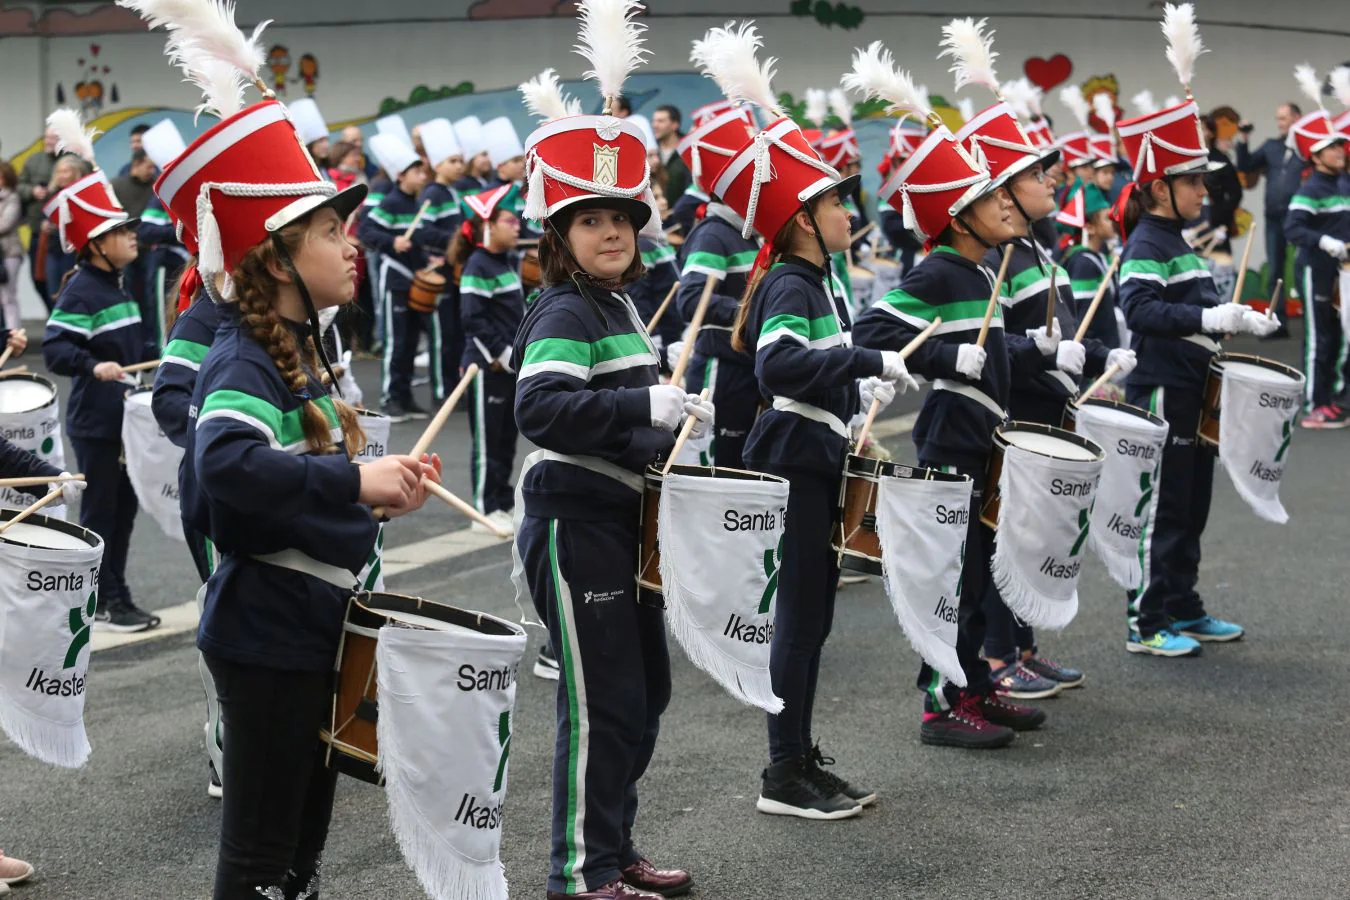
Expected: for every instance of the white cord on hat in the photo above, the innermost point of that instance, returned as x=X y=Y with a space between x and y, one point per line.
x=764 y=172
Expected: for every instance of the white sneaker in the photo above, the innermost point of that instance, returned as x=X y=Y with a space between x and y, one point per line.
x=504 y=521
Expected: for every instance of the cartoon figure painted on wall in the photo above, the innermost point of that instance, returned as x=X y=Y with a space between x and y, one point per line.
x=1095 y=85
x=279 y=63
x=309 y=73
x=90 y=91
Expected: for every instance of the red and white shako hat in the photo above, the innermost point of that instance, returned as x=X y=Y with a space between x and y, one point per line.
x=707 y=149
x=164 y=143
x=88 y=208
x=1076 y=146
x=1315 y=131
x=1340 y=86
x=1171 y=141
x=839 y=148
x=1025 y=99
x=716 y=108
x=905 y=138
x=941 y=178
x=593 y=160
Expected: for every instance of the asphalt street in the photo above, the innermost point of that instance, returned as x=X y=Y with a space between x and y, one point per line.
x=1215 y=777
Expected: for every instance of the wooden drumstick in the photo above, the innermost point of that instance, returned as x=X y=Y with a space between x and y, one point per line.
x=4 y=357
x=1274 y=298
x=691 y=333
x=54 y=495
x=1242 y=267
x=417 y=220
x=35 y=481
x=1106 y=376
x=683 y=439
x=1050 y=300
x=1096 y=301
x=861 y=233
x=904 y=354
x=434 y=488
x=438 y=421
x=17 y=370
x=993 y=298
x=661 y=310
x=141 y=366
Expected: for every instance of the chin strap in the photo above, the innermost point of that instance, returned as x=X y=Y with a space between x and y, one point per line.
x=309 y=310
x=829 y=261
x=973 y=233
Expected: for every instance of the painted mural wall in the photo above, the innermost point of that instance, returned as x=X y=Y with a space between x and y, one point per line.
x=460 y=57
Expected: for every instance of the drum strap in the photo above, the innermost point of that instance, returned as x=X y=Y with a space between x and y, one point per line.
x=974 y=393
x=1201 y=340
x=590 y=463
x=387 y=262
x=305 y=564
x=1066 y=380
x=814 y=413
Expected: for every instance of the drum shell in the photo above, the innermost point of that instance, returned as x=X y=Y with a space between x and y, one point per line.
x=993 y=498
x=855 y=537
x=531 y=275
x=1211 y=407
x=353 y=748
x=37 y=430
x=425 y=292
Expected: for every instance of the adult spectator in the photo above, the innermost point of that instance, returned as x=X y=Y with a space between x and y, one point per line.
x=623 y=107
x=55 y=261
x=11 y=248
x=666 y=122
x=352 y=135
x=135 y=188
x=137 y=138
x=1284 y=171
x=33 y=181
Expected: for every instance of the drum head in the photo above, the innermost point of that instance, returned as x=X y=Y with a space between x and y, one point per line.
x=1257 y=368
x=867 y=467
x=654 y=476
x=1047 y=441
x=1113 y=412
x=46 y=533
x=25 y=393
x=371 y=414
x=415 y=612
x=140 y=397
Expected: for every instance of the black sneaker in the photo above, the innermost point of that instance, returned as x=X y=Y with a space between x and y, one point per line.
x=396 y=411
x=832 y=782
x=414 y=411
x=545 y=666
x=127 y=618
x=1000 y=712
x=963 y=726
x=790 y=788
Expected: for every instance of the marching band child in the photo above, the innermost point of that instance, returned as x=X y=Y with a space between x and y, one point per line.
x=1172 y=309
x=662 y=270
x=443 y=219
x=589 y=396
x=492 y=307
x=1086 y=262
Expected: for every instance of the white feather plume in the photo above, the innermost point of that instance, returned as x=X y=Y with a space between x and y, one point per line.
x=1016 y=94
x=611 y=41
x=545 y=99
x=1144 y=104
x=972 y=53
x=1170 y=101
x=966 y=107
x=842 y=109
x=817 y=106
x=71 y=134
x=1340 y=84
x=727 y=55
x=1072 y=97
x=1309 y=83
x=1105 y=107
x=1183 y=39
x=875 y=76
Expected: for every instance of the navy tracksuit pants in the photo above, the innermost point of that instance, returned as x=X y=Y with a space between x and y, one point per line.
x=1182 y=492
x=403 y=328
x=452 y=340
x=940 y=694
x=1324 y=343
x=614 y=685
x=492 y=421
x=107 y=508
x=735 y=394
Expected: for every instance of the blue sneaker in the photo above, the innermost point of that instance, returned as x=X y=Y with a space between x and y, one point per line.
x=1164 y=643
x=1208 y=628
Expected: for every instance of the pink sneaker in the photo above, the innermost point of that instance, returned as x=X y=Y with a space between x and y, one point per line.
x=14 y=871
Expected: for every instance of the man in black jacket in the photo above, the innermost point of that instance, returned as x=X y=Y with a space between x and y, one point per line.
x=1284 y=171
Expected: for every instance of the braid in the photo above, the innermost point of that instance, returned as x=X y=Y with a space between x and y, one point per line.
x=353 y=435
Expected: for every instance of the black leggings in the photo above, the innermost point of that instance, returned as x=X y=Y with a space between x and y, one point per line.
x=280 y=795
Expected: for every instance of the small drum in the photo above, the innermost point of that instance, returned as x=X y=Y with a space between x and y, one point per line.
x=861 y=283
x=649 y=552
x=352 y=746
x=855 y=538
x=47 y=533
x=1207 y=432
x=1111 y=410
x=30 y=416
x=887 y=272
x=426 y=290
x=531 y=276
x=1045 y=440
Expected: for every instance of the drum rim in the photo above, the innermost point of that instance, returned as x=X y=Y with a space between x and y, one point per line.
x=40 y=379
x=55 y=524
x=881 y=467
x=1048 y=431
x=655 y=476
x=360 y=601
x=143 y=389
x=1137 y=411
x=371 y=413
x=1251 y=359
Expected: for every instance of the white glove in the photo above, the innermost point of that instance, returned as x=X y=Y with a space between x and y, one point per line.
x=970 y=360
x=703 y=413
x=1332 y=246
x=876 y=389
x=673 y=352
x=1070 y=357
x=1255 y=323
x=1123 y=358
x=1226 y=318
x=893 y=368
x=667 y=405
x=70 y=490
x=1047 y=343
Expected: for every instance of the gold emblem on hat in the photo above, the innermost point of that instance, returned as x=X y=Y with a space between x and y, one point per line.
x=605 y=165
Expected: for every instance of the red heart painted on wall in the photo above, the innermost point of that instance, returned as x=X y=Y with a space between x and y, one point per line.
x=1047 y=73
x=94 y=48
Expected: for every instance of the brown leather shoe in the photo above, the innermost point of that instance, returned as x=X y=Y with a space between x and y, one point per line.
x=666 y=882
x=615 y=890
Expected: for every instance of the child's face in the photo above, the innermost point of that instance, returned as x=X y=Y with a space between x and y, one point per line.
x=326 y=261
x=603 y=242
x=504 y=231
x=1100 y=226
x=834 y=222
x=1189 y=191
x=992 y=217
x=451 y=169
x=1332 y=158
x=1105 y=177
x=1034 y=191
x=413 y=179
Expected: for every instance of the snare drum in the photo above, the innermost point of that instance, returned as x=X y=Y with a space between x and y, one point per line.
x=1111 y=411
x=39 y=532
x=1044 y=440
x=887 y=274
x=531 y=275
x=861 y=283
x=1207 y=431
x=30 y=416
x=649 y=551
x=352 y=746
x=426 y=290
x=855 y=538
